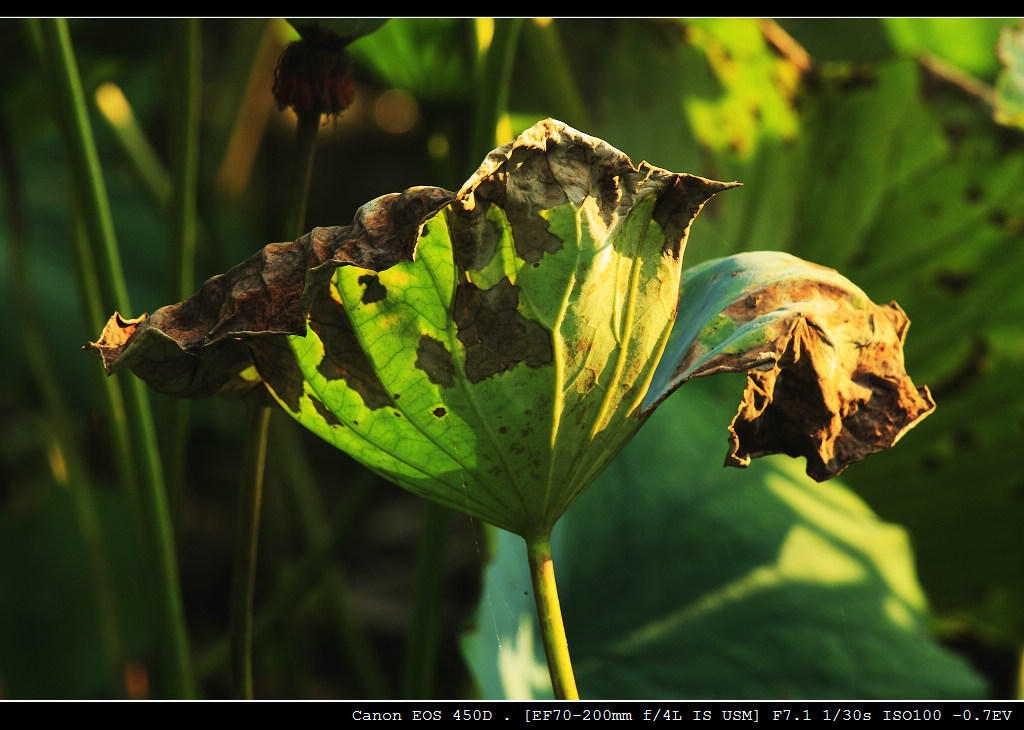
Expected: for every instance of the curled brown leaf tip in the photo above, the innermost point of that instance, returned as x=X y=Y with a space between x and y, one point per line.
x=113 y=339
x=837 y=392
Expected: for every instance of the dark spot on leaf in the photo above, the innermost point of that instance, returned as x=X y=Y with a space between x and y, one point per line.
x=861 y=76
x=1012 y=224
x=972 y=193
x=931 y=463
x=433 y=358
x=344 y=359
x=965 y=439
x=396 y=396
x=587 y=380
x=952 y=281
x=375 y=291
x=503 y=429
x=397 y=414
x=965 y=376
x=497 y=337
x=439 y=412
x=956 y=132
x=325 y=414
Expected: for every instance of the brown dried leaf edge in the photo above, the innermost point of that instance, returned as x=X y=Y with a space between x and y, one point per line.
x=203 y=345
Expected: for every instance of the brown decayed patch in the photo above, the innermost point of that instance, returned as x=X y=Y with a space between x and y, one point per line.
x=830 y=403
x=374 y=291
x=324 y=412
x=344 y=358
x=433 y=358
x=496 y=336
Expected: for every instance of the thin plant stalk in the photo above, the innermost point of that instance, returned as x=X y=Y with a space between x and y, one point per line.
x=552 y=630
x=304 y=579
x=255 y=46
x=184 y=159
x=306 y=131
x=250 y=495
x=251 y=486
x=91 y=193
x=546 y=49
x=87 y=174
x=315 y=570
x=113 y=402
x=181 y=249
x=495 y=69
x=1020 y=677
x=138 y=150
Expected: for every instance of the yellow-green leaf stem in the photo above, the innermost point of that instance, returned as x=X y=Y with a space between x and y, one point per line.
x=556 y=647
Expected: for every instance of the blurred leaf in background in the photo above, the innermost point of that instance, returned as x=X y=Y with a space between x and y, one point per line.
x=720 y=584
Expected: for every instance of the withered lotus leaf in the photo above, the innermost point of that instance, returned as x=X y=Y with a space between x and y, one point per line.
x=493 y=349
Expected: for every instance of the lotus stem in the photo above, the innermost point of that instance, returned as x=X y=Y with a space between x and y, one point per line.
x=552 y=630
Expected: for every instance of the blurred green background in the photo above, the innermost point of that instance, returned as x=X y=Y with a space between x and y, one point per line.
x=888 y=149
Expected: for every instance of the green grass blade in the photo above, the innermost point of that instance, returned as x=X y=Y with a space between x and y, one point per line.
x=91 y=191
